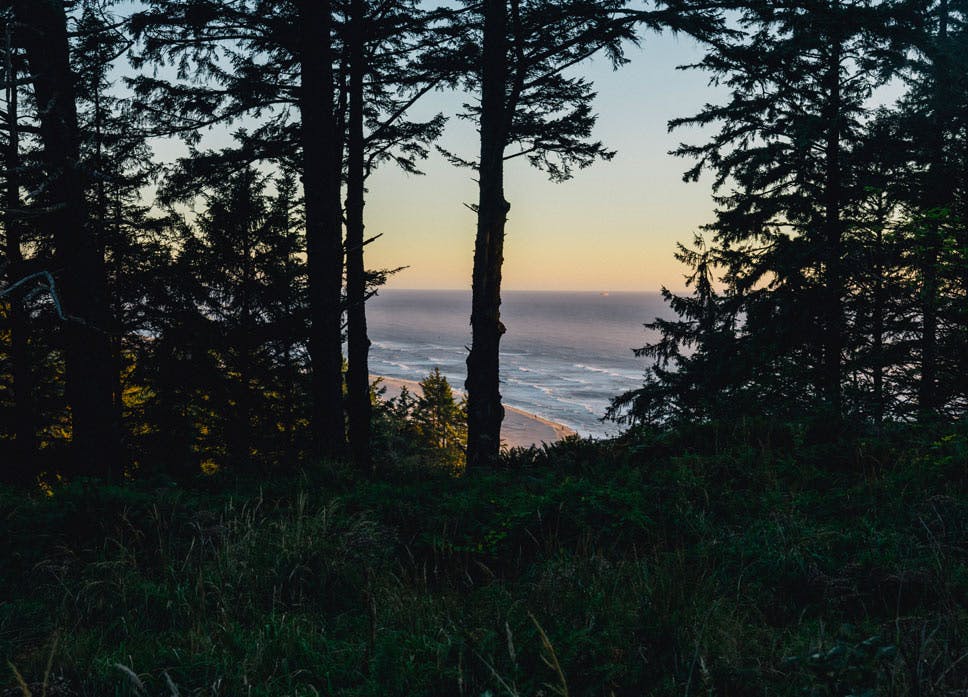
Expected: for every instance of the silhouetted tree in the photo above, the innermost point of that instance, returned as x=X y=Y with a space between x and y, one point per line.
x=89 y=369
x=321 y=139
x=281 y=57
x=291 y=65
x=878 y=294
x=20 y=460
x=695 y=373
x=789 y=176
x=234 y=332
x=935 y=112
x=393 y=60
x=521 y=52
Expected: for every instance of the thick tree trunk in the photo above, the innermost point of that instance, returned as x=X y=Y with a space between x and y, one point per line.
x=484 y=410
x=833 y=319
x=358 y=374
x=89 y=367
x=21 y=469
x=324 y=250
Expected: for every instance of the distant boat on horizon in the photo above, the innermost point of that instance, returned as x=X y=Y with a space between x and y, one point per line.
x=604 y=293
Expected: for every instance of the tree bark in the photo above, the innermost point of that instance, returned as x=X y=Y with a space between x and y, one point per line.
x=833 y=320
x=484 y=410
x=242 y=417
x=89 y=367
x=101 y=230
x=938 y=196
x=878 y=323
x=21 y=469
x=358 y=343
x=324 y=250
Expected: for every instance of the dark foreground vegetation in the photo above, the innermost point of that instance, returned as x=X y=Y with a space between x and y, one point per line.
x=732 y=558
x=173 y=382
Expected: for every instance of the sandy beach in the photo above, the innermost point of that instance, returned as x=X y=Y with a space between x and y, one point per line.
x=520 y=429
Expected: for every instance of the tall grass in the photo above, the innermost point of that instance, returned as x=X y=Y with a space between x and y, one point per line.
x=729 y=559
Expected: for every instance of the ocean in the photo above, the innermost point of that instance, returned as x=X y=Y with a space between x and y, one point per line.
x=564 y=356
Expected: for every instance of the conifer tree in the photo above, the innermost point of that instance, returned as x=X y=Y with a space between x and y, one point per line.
x=20 y=459
x=875 y=299
x=233 y=331
x=358 y=408
x=289 y=76
x=321 y=141
x=281 y=57
x=789 y=177
x=935 y=112
x=521 y=53
x=89 y=370
x=695 y=373
x=392 y=62
x=136 y=240
x=440 y=420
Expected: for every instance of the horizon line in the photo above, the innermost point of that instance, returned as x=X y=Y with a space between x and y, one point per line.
x=467 y=289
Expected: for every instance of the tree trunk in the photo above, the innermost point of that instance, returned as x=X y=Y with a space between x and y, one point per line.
x=928 y=382
x=484 y=410
x=938 y=196
x=82 y=280
x=358 y=374
x=100 y=219
x=833 y=320
x=242 y=414
x=324 y=250
x=21 y=469
x=878 y=323
x=117 y=341
x=289 y=396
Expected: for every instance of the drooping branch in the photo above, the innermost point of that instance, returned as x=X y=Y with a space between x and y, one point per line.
x=47 y=284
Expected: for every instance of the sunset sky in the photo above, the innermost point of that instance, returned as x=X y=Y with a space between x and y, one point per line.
x=613 y=227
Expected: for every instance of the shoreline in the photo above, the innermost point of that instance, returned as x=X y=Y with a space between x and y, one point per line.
x=520 y=429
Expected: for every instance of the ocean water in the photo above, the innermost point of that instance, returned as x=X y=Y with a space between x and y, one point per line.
x=564 y=356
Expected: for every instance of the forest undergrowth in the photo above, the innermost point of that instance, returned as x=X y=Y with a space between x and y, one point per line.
x=724 y=559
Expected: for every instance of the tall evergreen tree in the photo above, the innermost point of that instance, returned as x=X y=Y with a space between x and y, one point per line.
x=20 y=459
x=789 y=182
x=87 y=331
x=289 y=76
x=358 y=410
x=522 y=51
x=935 y=113
x=877 y=295
x=392 y=61
x=135 y=239
x=281 y=58
x=225 y=367
x=239 y=254
x=321 y=145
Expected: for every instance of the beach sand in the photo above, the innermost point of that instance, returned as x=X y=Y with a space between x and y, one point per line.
x=520 y=428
